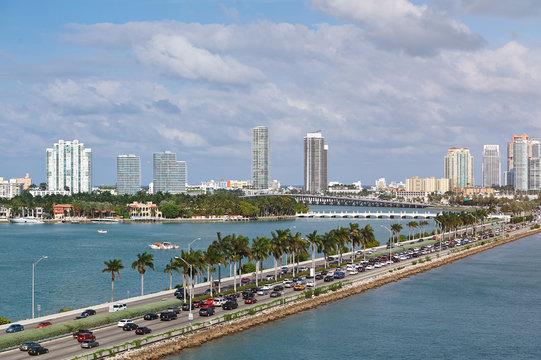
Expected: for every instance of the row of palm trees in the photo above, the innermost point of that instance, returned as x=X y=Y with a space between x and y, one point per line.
x=232 y=250
x=452 y=221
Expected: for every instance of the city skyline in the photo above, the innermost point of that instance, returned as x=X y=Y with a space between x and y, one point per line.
x=126 y=77
x=260 y=157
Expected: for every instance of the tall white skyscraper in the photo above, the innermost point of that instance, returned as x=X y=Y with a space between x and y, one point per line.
x=315 y=163
x=458 y=168
x=128 y=174
x=520 y=164
x=492 y=164
x=260 y=157
x=69 y=167
x=170 y=175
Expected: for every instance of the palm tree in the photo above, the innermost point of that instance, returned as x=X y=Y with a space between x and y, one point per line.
x=367 y=237
x=185 y=268
x=222 y=248
x=315 y=241
x=278 y=248
x=169 y=269
x=342 y=238
x=422 y=225
x=260 y=252
x=297 y=247
x=327 y=245
x=143 y=260
x=113 y=266
x=213 y=256
x=355 y=238
x=396 y=229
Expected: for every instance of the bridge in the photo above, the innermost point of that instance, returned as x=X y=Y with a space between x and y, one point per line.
x=348 y=201
x=368 y=215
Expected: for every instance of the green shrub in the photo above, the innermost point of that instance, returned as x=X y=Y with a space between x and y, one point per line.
x=66 y=309
x=317 y=291
x=309 y=293
x=428 y=258
x=4 y=321
x=414 y=262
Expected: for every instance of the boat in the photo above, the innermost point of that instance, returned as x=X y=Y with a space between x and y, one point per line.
x=102 y=231
x=105 y=220
x=26 y=220
x=163 y=246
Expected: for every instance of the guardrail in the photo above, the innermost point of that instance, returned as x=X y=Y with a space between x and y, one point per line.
x=152 y=339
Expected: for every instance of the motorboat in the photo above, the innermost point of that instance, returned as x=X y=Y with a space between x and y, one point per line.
x=163 y=246
x=26 y=220
x=102 y=231
x=105 y=220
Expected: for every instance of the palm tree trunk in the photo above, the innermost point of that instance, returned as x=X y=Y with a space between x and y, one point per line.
x=256 y=272
x=219 y=278
x=275 y=269
x=142 y=284
x=210 y=280
x=112 y=290
x=293 y=262
x=235 y=277
x=171 y=280
x=184 y=281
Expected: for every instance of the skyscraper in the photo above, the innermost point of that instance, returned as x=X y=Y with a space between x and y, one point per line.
x=491 y=170
x=260 y=157
x=510 y=149
x=69 y=167
x=128 y=174
x=520 y=164
x=315 y=163
x=170 y=175
x=458 y=168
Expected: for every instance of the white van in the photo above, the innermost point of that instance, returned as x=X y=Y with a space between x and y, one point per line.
x=117 y=307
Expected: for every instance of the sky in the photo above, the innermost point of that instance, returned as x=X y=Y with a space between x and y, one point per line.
x=392 y=84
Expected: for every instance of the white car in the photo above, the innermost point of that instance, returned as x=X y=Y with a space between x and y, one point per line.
x=123 y=322
x=303 y=269
x=353 y=272
x=378 y=265
x=288 y=283
x=219 y=301
x=310 y=283
x=117 y=307
x=266 y=287
x=369 y=267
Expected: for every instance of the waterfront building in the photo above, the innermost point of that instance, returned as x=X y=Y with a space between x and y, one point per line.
x=26 y=181
x=144 y=210
x=260 y=157
x=535 y=148
x=491 y=169
x=458 y=168
x=534 y=174
x=381 y=184
x=128 y=174
x=510 y=145
x=429 y=185
x=520 y=164
x=61 y=211
x=315 y=163
x=42 y=193
x=69 y=167
x=10 y=188
x=170 y=175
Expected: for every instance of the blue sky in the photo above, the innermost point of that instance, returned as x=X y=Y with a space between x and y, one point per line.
x=391 y=83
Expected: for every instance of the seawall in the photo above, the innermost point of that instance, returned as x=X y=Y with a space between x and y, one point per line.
x=174 y=346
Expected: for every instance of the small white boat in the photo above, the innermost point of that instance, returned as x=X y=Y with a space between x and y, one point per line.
x=105 y=220
x=102 y=231
x=163 y=246
x=26 y=220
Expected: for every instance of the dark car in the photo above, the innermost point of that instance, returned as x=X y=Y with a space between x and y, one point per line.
x=27 y=345
x=87 y=344
x=174 y=309
x=278 y=288
x=81 y=331
x=15 y=328
x=167 y=316
x=328 y=278
x=275 y=294
x=230 y=305
x=339 y=275
x=142 y=330
x=89 y=312
x=206 y=311
x=246 y=294
x=319 y=276
x=130 y=327
x=186 y=306
x=37 y=350
x=250 y=300
x=151 y=316
x=85 y=336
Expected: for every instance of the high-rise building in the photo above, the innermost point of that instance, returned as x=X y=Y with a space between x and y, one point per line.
x=315 y=163
x=128 y=174
x=260 y=157
x=510 y=150
x=534 y=174
x=520 y=164
x=69 y=167
x=491 y=171
x=170 y=175
x=458 y=168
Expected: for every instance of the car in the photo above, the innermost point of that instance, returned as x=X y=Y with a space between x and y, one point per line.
x=81 y=331
x=278 y=288
x=353 y=272
x=230 y=305
x=168 y=316
x=246 y=293
x=186 y=306
x=197 y=303
x=288 y=283
x=174 y=309
x=269 y=277
x=130 y=327
x=219 y=301
x=123 y=322
x=275 y=294
x=151 y=316
x=179 y=290
x=263 y=292
x=37 y=350
x=85 y=336
x=43 y=324
x=142 y=330
x=14 y=328
x=89 y=312
x=284 y=269
x=328 y=278
x=206 y=311
x=310 y=283
x=303 y=269
x=250 y=300
x=87 y=344
x=245 y=281
x=299 y=287
x=319 y=276
x=27 y=345
x=117 y=307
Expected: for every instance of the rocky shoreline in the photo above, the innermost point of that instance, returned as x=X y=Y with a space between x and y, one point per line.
x=174 y=346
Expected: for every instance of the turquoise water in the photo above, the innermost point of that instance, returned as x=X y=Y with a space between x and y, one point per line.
x=72 y=275
x=486 y=306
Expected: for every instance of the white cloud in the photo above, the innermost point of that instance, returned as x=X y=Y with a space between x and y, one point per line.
x=492 y=8
x=398 y=24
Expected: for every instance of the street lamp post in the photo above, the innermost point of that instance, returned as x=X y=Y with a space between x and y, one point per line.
x=390 y=239
x=33 y=270
x=190 y=244
x=313 y=269
x=190 y=315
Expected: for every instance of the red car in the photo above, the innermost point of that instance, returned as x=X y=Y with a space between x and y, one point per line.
x=250 y=300
x=142 y=330
x=43 y=324
x=245 y=280
x=208 y=305
x=85 y=336
x=197 y=303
